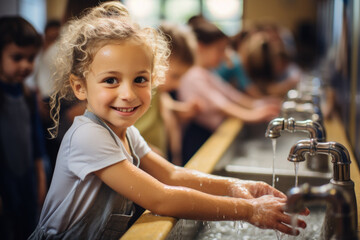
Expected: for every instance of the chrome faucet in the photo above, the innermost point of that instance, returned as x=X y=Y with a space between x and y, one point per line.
x=311 y=110
x=301 y=97
x=277 y=125
x=315 y=130
x=341 y=175
x=340 y=214
x=340 y=156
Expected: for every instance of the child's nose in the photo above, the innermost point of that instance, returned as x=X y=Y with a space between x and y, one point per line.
x=26 y=64
x=126 y=92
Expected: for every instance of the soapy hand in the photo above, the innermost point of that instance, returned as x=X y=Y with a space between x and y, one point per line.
x=268 y=213
x=254 y=189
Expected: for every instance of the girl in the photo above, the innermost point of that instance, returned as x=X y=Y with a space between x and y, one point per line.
x=104 y=165
x=22 y=175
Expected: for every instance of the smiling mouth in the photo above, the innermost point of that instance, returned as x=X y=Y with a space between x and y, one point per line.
x=125 y=110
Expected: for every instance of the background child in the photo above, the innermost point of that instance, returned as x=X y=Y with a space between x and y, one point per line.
x=22 y=175
x=161 y=124
x=104 y=165
x=268 y=59
x=218 y=98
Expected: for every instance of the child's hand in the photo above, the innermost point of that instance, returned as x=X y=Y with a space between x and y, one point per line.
x=254 y=189
x=268 y=213
x=258 y=189
x=190 y=110
x=265 y=113
x=275 y=101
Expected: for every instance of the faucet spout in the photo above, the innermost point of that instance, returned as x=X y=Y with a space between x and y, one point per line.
x=341 y=221
x=277 y=125
x=340 y=156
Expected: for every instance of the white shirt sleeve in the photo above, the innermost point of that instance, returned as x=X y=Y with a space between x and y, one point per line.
x=92 y=148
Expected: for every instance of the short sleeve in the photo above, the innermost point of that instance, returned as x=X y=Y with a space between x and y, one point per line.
x=92 y=148
x=140 y=147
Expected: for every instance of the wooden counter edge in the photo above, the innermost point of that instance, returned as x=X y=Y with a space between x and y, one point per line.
x=153 y=227
x=335 y=131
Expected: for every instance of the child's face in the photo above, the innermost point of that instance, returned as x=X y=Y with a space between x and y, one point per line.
x=118 y=85
x=177 y=68
x=213 y=54
x=17 y=63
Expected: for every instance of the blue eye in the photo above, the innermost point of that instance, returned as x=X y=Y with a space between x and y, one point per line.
x=140 y=80
x=111 y=80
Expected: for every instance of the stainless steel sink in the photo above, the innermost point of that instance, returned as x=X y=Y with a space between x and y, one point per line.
x=230 y=230
x=251 y=157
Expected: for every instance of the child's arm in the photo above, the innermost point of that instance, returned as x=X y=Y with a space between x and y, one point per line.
x=182 y=202
x=184 y=110
x=235 y=106
x=215 y=185
x=262 y=113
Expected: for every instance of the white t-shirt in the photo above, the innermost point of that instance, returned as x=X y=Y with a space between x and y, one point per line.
x=86 y=147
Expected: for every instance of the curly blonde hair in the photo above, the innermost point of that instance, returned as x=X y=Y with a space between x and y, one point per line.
x=82 y=37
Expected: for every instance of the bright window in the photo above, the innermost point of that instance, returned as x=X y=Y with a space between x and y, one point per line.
x=226 y=14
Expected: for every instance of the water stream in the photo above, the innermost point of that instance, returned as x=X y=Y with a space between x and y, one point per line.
x=296 y=168
x=274 y=157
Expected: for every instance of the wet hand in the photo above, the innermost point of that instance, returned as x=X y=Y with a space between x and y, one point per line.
x=266 y=112
x=254 y=189
x=268 y=213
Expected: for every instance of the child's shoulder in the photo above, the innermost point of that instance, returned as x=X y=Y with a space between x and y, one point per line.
x=133 y=132
x=85 y=128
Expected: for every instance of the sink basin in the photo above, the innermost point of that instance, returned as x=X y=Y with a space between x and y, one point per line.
x=250 y=157
x=229 y=230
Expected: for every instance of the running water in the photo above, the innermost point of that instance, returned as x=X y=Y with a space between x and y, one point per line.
x=274 y=156
x=296 y=167
x=279 y=235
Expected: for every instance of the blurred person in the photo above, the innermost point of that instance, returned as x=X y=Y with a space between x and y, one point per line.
x=161 y=124
x=218 y=99
x=232 y=70
x=51 y=32
x=268 y=61
x=22 y=174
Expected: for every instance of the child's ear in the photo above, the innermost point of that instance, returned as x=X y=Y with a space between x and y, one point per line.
x=78 y=86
